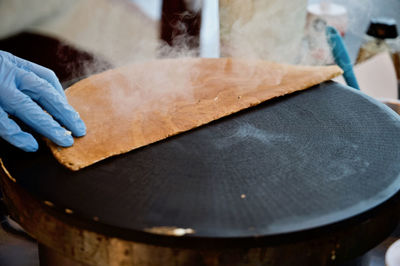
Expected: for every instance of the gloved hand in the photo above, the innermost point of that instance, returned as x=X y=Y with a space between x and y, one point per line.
x=26 y=88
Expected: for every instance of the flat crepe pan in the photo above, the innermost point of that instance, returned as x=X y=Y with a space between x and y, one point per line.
x=295 y=164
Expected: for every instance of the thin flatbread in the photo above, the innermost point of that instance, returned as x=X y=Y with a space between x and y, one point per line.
x=133 y=106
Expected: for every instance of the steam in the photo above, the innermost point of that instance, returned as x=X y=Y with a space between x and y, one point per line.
x=262 y=29
x=120 y=34
x=254 y=29
x=181 y=48
x=169 y=83
x=131 y=44
x=251 y=29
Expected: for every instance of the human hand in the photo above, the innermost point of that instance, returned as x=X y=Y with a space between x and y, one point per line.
x=26 y=88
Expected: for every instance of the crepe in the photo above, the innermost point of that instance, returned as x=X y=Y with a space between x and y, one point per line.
x=136 y=105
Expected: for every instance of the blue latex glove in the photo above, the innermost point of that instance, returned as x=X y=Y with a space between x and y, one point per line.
x=26 y=88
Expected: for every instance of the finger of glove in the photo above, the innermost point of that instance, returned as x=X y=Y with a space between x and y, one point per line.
x=12 y=133
x=43 y=93
x=21 y=106
x=39 y=70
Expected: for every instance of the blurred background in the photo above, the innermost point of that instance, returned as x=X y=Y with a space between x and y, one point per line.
x=78 y=38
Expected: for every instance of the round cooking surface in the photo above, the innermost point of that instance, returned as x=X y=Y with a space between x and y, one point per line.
x=295 y=163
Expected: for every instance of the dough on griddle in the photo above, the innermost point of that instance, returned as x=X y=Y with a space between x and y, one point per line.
x=136 y=105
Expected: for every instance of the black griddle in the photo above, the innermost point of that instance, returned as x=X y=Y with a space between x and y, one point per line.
x=295 y=164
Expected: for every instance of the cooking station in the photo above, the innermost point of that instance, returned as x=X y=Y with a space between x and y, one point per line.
x=310 y=178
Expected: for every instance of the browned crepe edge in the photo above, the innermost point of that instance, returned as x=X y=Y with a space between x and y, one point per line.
x=324 y=73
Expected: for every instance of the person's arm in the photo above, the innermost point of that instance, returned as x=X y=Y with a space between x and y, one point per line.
x=33 y=94
x=17 y=15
